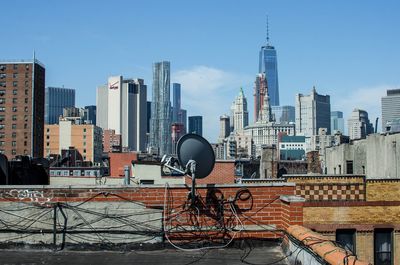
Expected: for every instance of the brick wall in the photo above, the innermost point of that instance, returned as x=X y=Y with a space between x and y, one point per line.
x=262 y=210
x=118 y=161
x=329 y=188
x=383 y=190
x=223 y=173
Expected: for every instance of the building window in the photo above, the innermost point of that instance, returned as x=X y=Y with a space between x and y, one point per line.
x=47 y=130
x=2 y=100
x=25 y=126
x=14 y=109
x=2 y=135
x=383 y=246
x=2 y=143
x=14 y=117
x=15 y=66
x=2 y=92
x=84 y=143
x=26 y=109
x=47 y=137
x=84 y=130
x=26 y=75
x=84 y=150
x=14 y=126
x=15 y=92
x=2 y=117
x=14 y=135
x=3 y=67
x=349 y=167
x=26 y=92
x=26 y=118
x=15 y=100
x=25 y=143
x=26 y=83
x=26 y=100
x=47 y=144
x=13 y=143
x=15 y=83
x=346 y=238
x=15 y=75
x=14 y=152
x=27 y=66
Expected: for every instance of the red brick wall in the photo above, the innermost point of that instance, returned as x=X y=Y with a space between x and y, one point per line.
x=118 y=161
x=223 y=173
x=261 y=212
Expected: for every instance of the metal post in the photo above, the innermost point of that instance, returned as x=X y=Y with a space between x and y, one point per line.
x=127 y=179
x=55 y=227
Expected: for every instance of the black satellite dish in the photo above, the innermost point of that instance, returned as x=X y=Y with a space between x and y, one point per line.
x=194 y=147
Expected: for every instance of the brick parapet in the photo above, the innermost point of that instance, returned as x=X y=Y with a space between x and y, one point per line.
x=261 y=209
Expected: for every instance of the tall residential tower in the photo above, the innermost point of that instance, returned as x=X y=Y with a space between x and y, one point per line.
x=22 y=92
x=160 y=123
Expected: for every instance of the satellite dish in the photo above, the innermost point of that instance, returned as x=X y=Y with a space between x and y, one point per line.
x=194 y=147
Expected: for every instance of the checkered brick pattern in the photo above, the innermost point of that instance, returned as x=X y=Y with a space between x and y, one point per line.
x=331 y=192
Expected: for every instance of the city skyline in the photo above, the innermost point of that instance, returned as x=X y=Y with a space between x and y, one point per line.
x=321 y=44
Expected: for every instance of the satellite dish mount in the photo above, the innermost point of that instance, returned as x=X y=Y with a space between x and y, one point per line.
x=197 y=155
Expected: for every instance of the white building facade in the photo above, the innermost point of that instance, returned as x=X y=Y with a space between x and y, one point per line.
x=121 y=106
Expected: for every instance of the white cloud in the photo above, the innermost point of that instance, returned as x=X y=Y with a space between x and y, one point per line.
x=367 y=98
x=209 y=92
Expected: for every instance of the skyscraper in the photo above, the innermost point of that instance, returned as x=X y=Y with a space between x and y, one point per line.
x=22 y=108
x=240 y=113
x=196 y=125
x=312 y=112
x=390 y=107
x=283 y=114
x=337 y=122
x=160 y=124
x=224 y=127
x=268 y=64
x=176 y=95
x=122 y=106
x=90 y=114
x=178 y=114
x=177 y=133
x=359 y=125
x=56 y=99
x=260 y=89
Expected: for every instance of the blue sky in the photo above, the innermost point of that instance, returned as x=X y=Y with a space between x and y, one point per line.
x=347 y=49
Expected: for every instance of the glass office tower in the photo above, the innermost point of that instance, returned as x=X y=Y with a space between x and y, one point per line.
x=268 y=64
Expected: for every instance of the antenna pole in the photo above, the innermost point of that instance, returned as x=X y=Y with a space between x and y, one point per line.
x=192 y=165
x=267 y=32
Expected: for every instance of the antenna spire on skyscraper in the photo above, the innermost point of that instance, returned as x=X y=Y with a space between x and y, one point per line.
x=267 y=32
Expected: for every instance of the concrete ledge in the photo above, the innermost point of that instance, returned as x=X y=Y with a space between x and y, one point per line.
x=291 y=198
x=272 y=184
